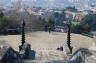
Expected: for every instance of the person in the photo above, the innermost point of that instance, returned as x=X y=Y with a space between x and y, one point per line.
x=49 y=29
x=61 y=48
x=46 y=28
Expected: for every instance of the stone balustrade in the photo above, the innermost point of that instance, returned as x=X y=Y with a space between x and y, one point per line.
x=7 y=55
x=25 y=50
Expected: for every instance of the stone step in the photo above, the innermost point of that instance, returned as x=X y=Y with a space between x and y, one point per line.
x=44 y=61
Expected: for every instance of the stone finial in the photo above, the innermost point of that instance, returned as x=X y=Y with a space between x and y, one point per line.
x=69 y=37
x=23 y=32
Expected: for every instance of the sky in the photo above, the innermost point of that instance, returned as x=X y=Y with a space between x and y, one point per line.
x=46 y=3
x=7 y=2
x=30 y=0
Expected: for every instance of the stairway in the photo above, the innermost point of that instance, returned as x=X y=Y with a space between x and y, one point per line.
x=44 y=61
x=46 y=57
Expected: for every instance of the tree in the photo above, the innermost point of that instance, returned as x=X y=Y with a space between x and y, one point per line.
x=1 y=14
x=59 y=17
x=7 y=23
x=89 y=22
x=86 y=27
x=51 y=23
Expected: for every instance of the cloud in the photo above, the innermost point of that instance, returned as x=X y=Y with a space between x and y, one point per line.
x=22 y=0
x=31 y=0
x=52 y=0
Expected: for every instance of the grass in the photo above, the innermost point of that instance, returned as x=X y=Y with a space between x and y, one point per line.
x=73 y=22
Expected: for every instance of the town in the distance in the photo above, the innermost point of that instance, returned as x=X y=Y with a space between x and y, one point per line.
x=48 y=31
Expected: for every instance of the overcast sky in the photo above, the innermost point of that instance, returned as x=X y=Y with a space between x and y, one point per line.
x=57 y=3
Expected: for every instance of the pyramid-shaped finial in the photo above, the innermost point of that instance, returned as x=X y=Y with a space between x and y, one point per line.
x=69 y=37
x=23 y=32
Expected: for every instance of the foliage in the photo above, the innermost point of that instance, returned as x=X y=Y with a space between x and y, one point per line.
x=89 y=22
x=51 y=23
x=1 y=14
x=75 y=28
x=39 y=24
x=73 y=22
x=7 y=23
x=59 y=17
x=86 y=27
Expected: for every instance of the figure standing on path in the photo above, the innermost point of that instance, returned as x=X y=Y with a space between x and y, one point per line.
x=46 y=28
x=49 y=28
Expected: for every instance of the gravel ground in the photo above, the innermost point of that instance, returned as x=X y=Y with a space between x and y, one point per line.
x=43 y=41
